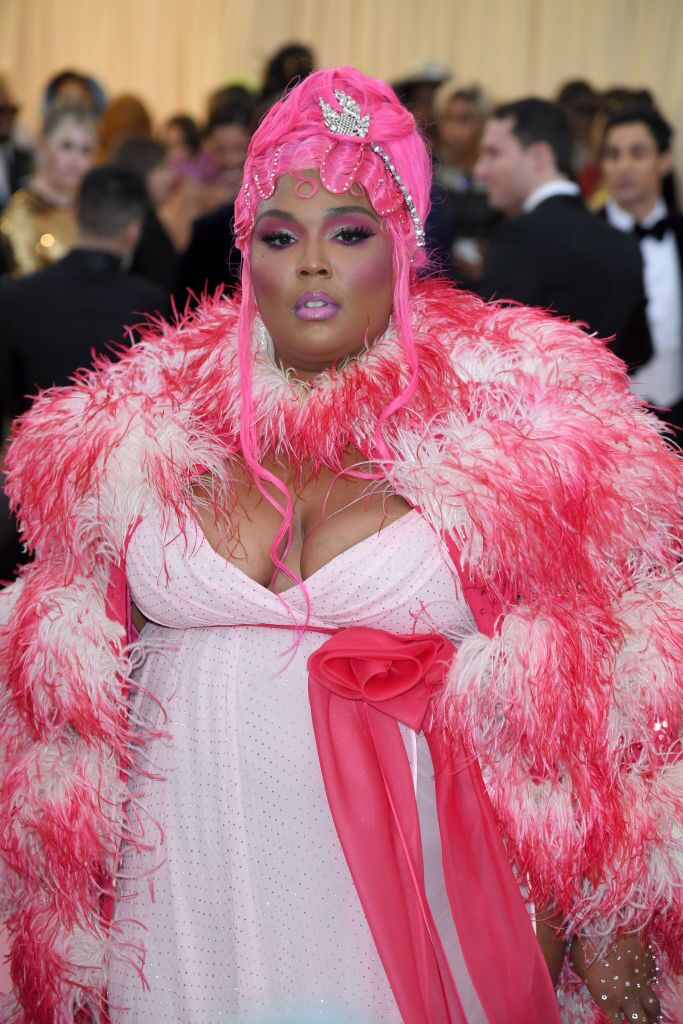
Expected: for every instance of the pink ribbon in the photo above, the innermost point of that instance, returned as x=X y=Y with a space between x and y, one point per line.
x=362 y=683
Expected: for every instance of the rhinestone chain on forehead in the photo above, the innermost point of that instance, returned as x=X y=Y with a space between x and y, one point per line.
x=266 y=191
x=348 y=121
x=352 y=173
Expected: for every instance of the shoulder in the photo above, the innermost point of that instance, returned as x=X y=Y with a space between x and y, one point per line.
x=546 y=441
x=541 y=378
x=557 y=213
x=22 y=199
x=17 y=291
x=20 y=209
x=676 y=218
x=25 y=204
x=141 y=289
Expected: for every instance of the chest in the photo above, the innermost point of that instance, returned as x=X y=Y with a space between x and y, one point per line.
x=330 y=513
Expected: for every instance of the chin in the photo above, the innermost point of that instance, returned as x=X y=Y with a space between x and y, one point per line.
x=316 y=359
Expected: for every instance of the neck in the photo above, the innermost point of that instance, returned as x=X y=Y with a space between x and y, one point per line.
x=641 y=208
x=112 y=246
x=310 y=373
x=48 y=190
x=546 y=179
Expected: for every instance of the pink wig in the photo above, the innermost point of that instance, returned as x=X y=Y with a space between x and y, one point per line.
x=293 y=137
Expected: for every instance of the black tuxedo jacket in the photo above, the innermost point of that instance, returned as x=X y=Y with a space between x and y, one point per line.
x=52 y=321
x=562 y=258
x=211 y=260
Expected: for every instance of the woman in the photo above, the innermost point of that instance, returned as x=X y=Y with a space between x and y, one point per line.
x=460 y=219
x=38 y=225
x=407 y=498
x=72 y=88
x=182 y=139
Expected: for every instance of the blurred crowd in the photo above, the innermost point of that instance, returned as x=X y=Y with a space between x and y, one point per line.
x=108 y=216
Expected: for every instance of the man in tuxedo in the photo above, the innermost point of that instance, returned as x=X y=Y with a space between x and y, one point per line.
x=636 y=159
x=54 y=320
x=550 y=251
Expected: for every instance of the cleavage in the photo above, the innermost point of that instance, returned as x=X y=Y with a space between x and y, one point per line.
x=332 y=513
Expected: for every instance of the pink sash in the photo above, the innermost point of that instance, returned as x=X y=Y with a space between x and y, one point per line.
x=362 y=683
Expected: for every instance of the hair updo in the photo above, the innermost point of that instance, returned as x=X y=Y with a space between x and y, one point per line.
x=293 y=136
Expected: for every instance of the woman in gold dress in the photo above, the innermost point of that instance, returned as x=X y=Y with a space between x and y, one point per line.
x=38 y=225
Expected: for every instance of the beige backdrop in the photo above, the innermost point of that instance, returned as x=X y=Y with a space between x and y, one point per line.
x=173 y=52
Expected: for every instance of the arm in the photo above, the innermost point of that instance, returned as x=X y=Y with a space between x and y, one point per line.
x=622 y=981
x=564 y=703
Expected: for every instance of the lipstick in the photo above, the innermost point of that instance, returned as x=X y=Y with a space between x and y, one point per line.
x=316 y=306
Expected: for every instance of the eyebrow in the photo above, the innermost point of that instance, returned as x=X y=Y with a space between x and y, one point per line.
x=333 y=211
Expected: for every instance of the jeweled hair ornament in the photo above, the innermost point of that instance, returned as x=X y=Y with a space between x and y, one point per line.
x=349 y=121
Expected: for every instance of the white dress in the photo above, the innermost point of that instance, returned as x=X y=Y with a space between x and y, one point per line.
x=243 y=901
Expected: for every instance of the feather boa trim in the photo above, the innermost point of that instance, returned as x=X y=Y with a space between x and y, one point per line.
x=524 y=442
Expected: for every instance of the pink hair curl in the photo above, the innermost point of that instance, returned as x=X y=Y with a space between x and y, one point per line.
x=291 y=138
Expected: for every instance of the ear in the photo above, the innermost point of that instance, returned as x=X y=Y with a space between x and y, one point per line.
x=542 y=156
x=131 y=234
x=666 y=163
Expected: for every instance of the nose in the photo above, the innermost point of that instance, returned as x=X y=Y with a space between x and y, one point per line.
x=313 y=262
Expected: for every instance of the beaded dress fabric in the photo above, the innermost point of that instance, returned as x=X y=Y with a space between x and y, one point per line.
x=243 y=901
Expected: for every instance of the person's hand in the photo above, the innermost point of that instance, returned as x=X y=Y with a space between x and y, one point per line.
x=622 y=983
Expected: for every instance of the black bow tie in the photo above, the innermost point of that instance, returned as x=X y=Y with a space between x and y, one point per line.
x=657 y=230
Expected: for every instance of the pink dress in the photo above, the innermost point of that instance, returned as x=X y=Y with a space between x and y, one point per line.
x=243 y=901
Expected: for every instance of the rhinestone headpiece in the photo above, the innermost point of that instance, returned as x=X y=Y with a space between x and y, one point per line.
x=349 y=121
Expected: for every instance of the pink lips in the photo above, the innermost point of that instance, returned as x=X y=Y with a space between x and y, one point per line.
x=316 y=306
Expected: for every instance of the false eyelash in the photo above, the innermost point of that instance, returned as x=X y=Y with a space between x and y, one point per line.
x=357 y=233
x=272 y=238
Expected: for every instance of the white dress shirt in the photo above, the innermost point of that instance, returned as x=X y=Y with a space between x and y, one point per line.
x=557 y=187
x=661 y=379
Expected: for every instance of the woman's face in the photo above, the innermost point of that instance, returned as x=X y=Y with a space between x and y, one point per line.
x=67 y=155
x=228 y=144
x=460 y=129
x=322 y=274
x=161 y=181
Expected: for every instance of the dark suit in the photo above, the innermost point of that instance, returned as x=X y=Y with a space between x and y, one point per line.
x=560 y=257
x=51 y=321
x=155 y=257
x=674 y=415
x=211 y=260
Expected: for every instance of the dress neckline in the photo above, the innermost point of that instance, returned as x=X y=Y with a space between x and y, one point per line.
x=312 y=580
